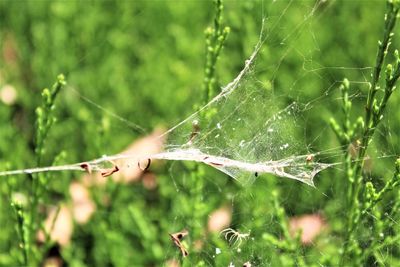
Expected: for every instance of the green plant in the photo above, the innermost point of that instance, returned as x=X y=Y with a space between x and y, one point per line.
x=152 y=74
x=361 y=196
x=215 y=39
x=29 y=218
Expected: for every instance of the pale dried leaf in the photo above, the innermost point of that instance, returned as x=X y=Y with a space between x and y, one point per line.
x=310 y=226
x=149 y=181
x=61 y=231
x=219 y=219
x=82 y=205
x=8 y=94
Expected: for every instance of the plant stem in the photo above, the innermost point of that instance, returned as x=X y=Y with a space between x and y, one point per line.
x=373 y=115
x=215 y=39
x=44 y=120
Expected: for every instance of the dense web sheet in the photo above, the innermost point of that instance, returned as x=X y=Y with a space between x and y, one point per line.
x=239 y=132
x=244 y=131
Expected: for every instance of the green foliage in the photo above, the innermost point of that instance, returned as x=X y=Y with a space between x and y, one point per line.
x=29 y=219
x=215 y=39
x=146 y=61
x=45 y=117
x=361 y=195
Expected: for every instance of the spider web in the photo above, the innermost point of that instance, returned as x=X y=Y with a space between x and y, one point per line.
x=243 y=131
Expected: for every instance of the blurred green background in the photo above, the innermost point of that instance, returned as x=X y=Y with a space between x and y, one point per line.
x=144 y=60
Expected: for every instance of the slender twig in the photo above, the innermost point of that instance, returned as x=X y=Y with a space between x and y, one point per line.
x=373 y=115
